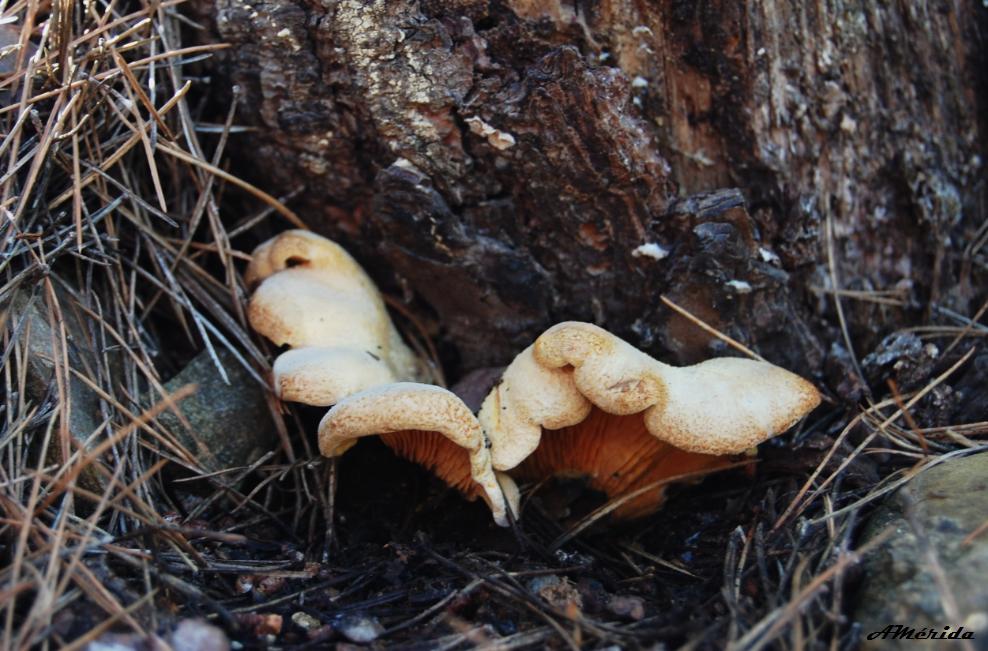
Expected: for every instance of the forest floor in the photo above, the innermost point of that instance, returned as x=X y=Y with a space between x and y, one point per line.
x=124 y=217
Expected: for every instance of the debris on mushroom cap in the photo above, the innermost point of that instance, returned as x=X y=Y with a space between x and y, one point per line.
x=314 y=297
x=628 y=419
x=426 y=424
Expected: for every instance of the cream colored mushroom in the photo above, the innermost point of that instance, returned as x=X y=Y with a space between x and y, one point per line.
x=581 y=401
x=346 y=352
x=314 y=297
x=428 y=425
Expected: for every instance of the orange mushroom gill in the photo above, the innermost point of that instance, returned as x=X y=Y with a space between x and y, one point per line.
x=437 y=454
x=617 y=456
x=425 y=424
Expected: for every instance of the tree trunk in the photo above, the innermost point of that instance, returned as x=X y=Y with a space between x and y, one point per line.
x=523 y=162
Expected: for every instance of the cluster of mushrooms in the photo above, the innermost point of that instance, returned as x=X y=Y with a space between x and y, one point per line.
x=578 y=402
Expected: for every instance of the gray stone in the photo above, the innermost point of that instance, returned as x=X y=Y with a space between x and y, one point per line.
x=230 y=424
x=932 y=515
x=10 y=39
x=31 y=320
x=632 y=608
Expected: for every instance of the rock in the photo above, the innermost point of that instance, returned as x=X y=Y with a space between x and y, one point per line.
x=230 y=422
x=903 y=357
x=632 y=608
x=263 y=625
x=305 y=621
x=121 y=642
x=31 y=319
x=10 y=39
x=934 y=513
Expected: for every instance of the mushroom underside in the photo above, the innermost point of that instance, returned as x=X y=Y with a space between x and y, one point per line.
x=616 y=455
x=428 y=425
x=437 y=454
x=458 y=468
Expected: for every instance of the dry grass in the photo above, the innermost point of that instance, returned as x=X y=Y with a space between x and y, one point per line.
x=112 y=233
x=112 y=193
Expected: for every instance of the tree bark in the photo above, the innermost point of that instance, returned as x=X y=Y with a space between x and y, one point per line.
x=522 y=162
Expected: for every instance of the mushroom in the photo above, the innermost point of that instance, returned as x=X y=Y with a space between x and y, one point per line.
x=317 y=299
x=346 y=352
x=581 y=401
x=428 y=425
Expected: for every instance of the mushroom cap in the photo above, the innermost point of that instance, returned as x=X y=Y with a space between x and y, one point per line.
x=313 y=296
x=719 y=407
x=298 y=307
x=429 y=425
x=529 y=396
x=324 y=376
x=298 y=248
x=727 y=405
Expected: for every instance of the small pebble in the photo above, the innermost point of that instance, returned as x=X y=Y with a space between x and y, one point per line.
x=632 y=608
x=305 y=621
x=360 y=628
x=557 y=592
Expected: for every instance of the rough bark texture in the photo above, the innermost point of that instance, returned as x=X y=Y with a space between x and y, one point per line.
x=509 y=159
